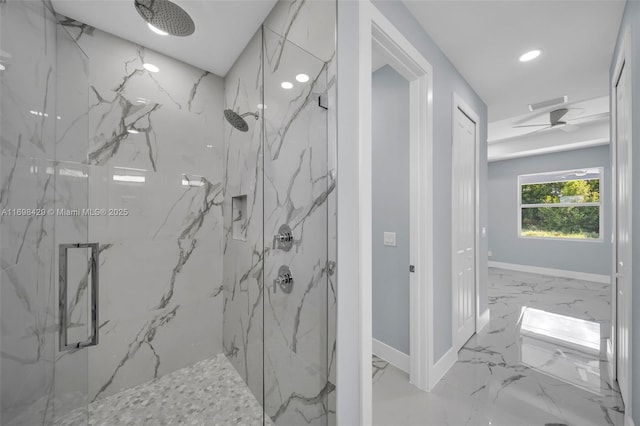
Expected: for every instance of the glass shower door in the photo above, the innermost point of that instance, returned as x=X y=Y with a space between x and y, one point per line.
x=44 y=136
x=296 y=187
x=76 y=259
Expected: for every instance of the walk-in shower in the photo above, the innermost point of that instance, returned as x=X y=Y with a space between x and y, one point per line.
x=159 y=266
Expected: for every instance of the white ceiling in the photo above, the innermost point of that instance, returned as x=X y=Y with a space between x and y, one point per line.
x=223 y=27
x=483 y=40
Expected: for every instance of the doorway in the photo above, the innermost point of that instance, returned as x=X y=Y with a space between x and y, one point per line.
x=390 y=213
x=377 y=31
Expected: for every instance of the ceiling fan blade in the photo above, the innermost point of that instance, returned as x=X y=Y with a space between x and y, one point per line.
x=536 y=131
x=592 y=117
x=569 y=128
x=540 y=130
x=531 y=125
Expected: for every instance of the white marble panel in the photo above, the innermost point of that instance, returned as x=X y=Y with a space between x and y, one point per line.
x=297 y=186
x=243 y=260
x=309 y=24
x=28 y=82
x=72 y=100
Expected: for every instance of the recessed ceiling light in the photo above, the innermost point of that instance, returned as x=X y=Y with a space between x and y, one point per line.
x=157 y=30
x=302 y=78
x=530 y=55
x=151 y=67
x=286 y=85
x=2 y=67
x=209 y=146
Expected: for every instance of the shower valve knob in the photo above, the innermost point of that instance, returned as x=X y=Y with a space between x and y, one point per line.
x=284 y=280
x=284 y=239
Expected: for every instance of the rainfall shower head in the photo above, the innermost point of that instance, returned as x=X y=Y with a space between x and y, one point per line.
x=237 y=120
x=166 y=16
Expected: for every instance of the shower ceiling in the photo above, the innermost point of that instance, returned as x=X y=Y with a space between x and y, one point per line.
x=223 y=27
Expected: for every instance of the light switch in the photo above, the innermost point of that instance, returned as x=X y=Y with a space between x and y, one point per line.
x=390 y=239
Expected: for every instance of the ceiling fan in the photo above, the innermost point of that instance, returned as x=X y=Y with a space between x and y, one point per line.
x=555 y=120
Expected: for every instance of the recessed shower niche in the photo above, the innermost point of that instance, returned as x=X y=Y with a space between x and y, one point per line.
x=239 y=217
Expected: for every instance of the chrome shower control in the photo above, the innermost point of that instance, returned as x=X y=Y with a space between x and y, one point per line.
x=284 y=239
x=284 y=280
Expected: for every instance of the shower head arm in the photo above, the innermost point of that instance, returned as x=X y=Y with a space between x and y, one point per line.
x=253 y=114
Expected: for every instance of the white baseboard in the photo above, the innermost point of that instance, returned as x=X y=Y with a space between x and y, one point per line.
x=606 y=279
x=441 y=367
x=483 y=320
x=391 y=355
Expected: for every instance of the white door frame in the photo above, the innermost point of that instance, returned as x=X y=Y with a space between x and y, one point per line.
x=624 y=57
x=459 y=103
x=374 y=27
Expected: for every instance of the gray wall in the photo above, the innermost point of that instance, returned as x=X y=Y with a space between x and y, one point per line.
x=446 y=80
x=390 y=110
x=582 y=256
x=631 y=18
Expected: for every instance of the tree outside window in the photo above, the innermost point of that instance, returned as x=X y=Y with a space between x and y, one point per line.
x=562 y=204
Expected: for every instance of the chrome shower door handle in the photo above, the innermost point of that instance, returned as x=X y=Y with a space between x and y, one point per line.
x=93 y=270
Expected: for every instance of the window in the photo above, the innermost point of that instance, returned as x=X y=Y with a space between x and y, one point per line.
x=563 y=205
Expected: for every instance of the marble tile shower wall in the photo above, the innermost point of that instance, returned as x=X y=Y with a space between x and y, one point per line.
x=295 y=193
x=301 y=136
x=243 y=256
x=155 y=149
x=27 y=88
x=298 y=189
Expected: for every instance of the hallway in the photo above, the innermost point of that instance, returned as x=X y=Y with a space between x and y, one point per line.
x=523 y=368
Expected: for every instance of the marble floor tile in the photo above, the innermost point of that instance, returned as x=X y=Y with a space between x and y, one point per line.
x=210 y=392
x=540 y=361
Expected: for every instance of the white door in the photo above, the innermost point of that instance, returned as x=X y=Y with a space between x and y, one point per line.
x=623 y=229
x=463 y=221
